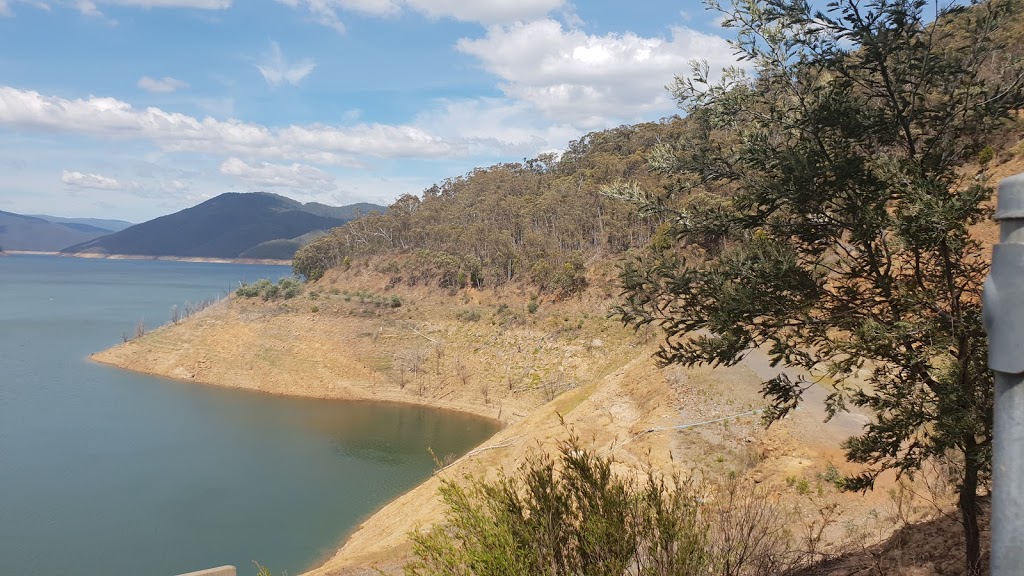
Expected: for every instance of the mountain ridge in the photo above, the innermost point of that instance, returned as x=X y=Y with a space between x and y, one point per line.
x=107 y=224
x=227 y=226
x=33 y=233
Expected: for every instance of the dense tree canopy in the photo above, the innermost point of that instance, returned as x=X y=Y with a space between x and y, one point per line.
x=538 y=221
x=826 y=220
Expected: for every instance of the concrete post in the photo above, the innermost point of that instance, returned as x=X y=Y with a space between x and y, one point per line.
x=1003 y=310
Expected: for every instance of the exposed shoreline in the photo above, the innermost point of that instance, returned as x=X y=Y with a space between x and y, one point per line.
x=474 y=368
x=93 y=256
x=565 y=370
x=346 y=395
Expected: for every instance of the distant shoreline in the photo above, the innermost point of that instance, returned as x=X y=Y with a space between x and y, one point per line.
x=268 y=262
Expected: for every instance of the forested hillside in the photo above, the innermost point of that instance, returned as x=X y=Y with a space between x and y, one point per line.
x=539 y=221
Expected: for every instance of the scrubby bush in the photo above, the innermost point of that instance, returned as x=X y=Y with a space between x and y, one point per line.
x=286 y=288
x=572 y=515
x=533 y=305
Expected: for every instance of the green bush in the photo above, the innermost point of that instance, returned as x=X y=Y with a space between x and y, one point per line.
x=986 y=155
x=572 y=516
x=286 y=288
x=533 y=305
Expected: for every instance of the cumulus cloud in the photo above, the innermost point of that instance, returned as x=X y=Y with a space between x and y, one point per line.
x=587 y=79
x=94 y=181
x=326 y=12
x=161 y=85
x=266 y=175
x=176 y=132
x=276 y=69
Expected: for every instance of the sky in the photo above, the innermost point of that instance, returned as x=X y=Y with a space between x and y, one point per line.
x=132 y=109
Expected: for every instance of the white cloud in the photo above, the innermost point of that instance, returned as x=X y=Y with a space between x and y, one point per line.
x=5 y=6
x=586 y=79
x=489 y=126
x=87 y=8
x=174 y=186
x=325 y=12
x=486 y=11
x=176 y=132
x=295 y=176
x=161 y=85
x=276 y=69
x=380 y=140
x=95 y=181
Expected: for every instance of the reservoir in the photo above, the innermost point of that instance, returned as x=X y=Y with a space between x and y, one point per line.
x=104 y=471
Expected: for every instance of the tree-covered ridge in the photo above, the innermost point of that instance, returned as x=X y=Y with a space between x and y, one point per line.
x=539 y=221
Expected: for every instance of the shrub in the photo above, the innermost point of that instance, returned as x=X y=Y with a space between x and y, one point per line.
x=986 y=155
x=286 y=288
x=572 y=516
x=533 y=305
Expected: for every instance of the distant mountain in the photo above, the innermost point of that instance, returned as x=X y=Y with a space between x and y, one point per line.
x=281 y=249
x=101 y=223
x=21 y=232
x=349 y=212
x=232 y=225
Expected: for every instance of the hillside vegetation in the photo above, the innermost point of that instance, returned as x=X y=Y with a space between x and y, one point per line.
x=540 y=221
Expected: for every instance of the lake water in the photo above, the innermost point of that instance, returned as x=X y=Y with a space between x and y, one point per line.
x=103 y=471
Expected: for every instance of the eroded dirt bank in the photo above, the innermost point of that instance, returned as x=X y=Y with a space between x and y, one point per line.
x=563 y=369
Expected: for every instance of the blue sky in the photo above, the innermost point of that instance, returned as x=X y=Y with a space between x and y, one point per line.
x=136 y=108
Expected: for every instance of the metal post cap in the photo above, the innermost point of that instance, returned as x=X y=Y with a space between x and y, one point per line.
x=1011 y=198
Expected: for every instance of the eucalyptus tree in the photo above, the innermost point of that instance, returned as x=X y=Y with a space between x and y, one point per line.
x=821 y=211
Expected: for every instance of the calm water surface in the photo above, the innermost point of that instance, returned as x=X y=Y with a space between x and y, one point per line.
x=107 y=472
